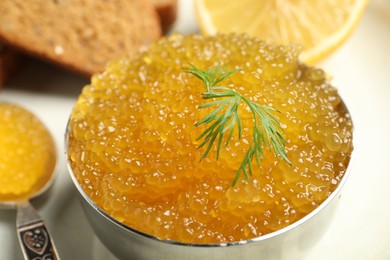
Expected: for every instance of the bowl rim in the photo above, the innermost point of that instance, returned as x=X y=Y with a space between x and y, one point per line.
x=267 y=236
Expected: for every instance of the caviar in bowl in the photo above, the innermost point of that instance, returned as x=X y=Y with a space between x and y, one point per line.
x=136 y=153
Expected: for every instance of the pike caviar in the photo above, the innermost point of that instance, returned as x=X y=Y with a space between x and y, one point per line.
x=27 y=153
x=133 y=143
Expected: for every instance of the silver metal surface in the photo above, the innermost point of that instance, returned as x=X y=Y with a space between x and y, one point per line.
x=291 y=242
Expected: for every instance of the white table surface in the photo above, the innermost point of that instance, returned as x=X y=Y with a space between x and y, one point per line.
x=361 y=71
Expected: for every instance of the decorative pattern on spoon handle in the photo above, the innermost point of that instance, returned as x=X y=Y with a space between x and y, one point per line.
x=33 y=235
x=36 y=243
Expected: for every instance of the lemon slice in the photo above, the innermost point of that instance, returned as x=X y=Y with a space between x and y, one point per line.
x=319 y=26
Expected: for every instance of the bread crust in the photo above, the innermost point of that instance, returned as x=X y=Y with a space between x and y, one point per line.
x=10 y=61
x=167 y=11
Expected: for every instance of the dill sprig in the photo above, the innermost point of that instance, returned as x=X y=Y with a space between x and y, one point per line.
x=267 y=131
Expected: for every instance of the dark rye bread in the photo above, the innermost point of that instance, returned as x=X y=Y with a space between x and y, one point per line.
x=81 y=35
x=167 y=11
x=10 y=61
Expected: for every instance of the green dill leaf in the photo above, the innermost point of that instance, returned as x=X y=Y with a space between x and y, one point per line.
x=231 y=129
x=239 y=124
x=213 y=103
x=208 y=131
x=225 y=75
x=209 y=146
x=219 y=144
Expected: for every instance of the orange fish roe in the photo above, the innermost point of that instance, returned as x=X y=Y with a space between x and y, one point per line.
x=27 y=153
x=133 y=147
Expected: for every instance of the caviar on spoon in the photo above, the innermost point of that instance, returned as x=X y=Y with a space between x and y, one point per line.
x=27 y=162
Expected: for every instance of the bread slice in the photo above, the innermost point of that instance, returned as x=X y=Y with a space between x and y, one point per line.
x=10 y=61
x=167 y=11
x=81 y=35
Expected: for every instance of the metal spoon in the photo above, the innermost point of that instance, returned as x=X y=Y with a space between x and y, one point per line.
x=34 y=238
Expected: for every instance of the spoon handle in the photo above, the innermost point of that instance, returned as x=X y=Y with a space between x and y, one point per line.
x=34 y=237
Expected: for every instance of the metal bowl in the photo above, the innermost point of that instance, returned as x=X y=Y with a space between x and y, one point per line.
x=291 y=242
